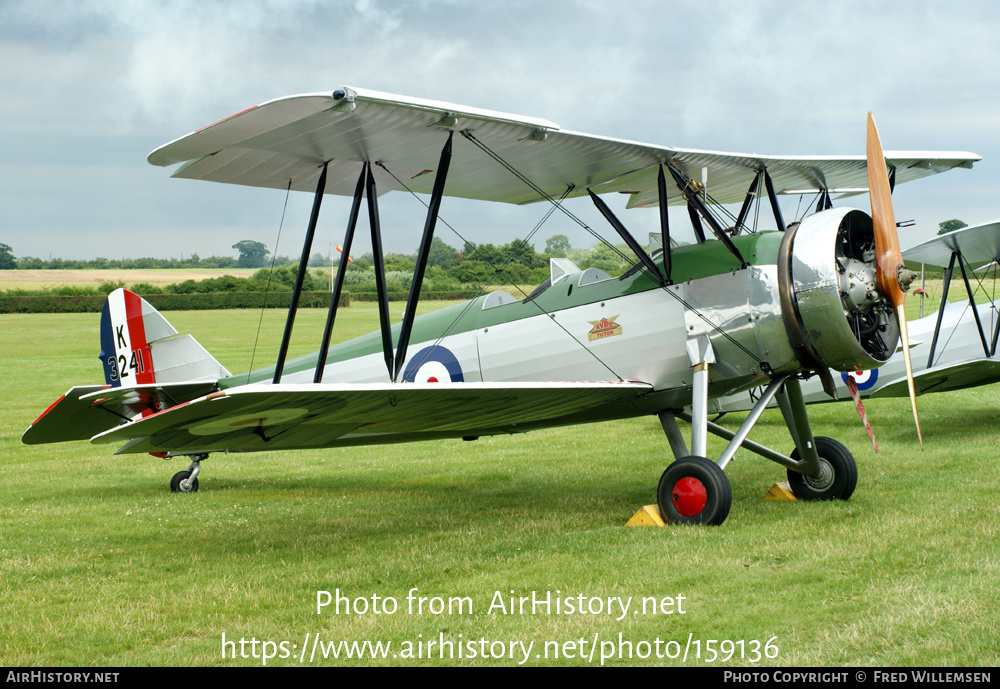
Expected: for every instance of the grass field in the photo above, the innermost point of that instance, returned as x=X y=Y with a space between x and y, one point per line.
x=102 y=565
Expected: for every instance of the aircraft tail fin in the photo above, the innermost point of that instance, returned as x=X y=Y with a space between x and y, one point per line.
x=139 y=346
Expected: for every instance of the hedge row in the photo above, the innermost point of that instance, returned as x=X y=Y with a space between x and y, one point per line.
x=169 y=302
x=451 y=295
x=197 y=302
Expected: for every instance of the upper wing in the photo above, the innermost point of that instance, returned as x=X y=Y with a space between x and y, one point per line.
x=286 y=141
x=979 y=244
x=288 y=416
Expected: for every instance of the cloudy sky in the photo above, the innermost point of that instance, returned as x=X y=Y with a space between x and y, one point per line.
x=89 y=88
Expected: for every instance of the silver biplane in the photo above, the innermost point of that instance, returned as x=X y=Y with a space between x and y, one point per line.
x=740 y=308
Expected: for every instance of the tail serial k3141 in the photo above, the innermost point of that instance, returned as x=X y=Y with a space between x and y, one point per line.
x=739 y=309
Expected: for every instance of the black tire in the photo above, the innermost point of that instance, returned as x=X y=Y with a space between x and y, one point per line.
x=837 y=479
x=175 y=482
x=694 y=490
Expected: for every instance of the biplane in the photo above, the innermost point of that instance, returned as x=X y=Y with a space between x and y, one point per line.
x=953 y=349
x=740 y=308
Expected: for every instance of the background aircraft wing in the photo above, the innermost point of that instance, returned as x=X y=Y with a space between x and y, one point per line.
x=289 y=416
x=968 y=374
x=979 y=244
x=286 y=141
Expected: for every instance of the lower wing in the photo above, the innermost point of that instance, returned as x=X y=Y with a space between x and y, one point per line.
x=286 y=416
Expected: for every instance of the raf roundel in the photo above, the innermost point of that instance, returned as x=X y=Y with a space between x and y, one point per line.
x=433 y=365
x=864 y=379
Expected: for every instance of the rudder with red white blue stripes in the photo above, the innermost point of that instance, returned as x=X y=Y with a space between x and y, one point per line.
x=128 y=325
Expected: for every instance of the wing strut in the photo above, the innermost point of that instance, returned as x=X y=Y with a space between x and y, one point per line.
x=380 y=288
x=693 y=201
x=300 y=276
x=944 y=300
x=699 y=231
x=773 y=198
x=422 y=255
x=661 y=190
x=627 y=236
x=988 y=349
x=751 y=195
x=824 y=202
x=996 y=327
x=338 y=286
x=972 y=303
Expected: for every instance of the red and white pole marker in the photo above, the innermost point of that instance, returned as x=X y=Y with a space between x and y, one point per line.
x=853 y=387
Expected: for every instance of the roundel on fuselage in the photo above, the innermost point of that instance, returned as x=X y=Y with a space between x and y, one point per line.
x=433 y=365
x=865 y=380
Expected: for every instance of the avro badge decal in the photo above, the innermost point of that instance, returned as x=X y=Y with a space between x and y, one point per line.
x=606 y=327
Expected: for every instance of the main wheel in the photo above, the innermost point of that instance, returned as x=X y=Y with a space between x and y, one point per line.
x=694 y=490
x=837 y=477
x=175 y=483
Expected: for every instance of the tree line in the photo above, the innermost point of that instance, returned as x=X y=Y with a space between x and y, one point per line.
x=8 y=261
x=514 y=263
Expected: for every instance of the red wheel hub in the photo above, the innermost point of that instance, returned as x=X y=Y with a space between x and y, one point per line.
x=689 y=496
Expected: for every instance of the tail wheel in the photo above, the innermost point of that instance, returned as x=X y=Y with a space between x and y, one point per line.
x=694 y=490
x=836 y=479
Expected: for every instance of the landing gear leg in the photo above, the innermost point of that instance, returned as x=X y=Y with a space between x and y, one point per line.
x=694 y=489
x=826 y=470
x=187 y=481
x=793 y=408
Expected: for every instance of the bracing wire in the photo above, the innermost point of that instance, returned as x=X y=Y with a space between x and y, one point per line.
x=270 y=274
x=581 y=223
x=497 y=271
x=558 y=205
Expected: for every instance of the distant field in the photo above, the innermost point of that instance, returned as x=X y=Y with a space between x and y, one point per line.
x=42 y=279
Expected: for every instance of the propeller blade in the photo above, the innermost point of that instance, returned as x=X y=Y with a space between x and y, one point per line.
x=888 y=257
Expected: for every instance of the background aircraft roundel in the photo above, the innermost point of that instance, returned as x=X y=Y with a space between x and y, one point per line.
x=865 y=380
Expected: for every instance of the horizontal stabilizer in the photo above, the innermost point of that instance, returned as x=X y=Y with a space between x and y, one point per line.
x=70 y=418
x=288 y=416
x=87 y=410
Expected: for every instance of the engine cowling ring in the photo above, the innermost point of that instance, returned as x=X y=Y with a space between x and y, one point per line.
x=827 y=325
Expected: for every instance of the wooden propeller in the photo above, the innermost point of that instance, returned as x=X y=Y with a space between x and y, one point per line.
x=889 y=259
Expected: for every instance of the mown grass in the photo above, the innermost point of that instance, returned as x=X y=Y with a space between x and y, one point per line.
x=101 y=565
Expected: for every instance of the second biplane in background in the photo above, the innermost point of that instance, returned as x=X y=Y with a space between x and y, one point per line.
x=952 y=349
